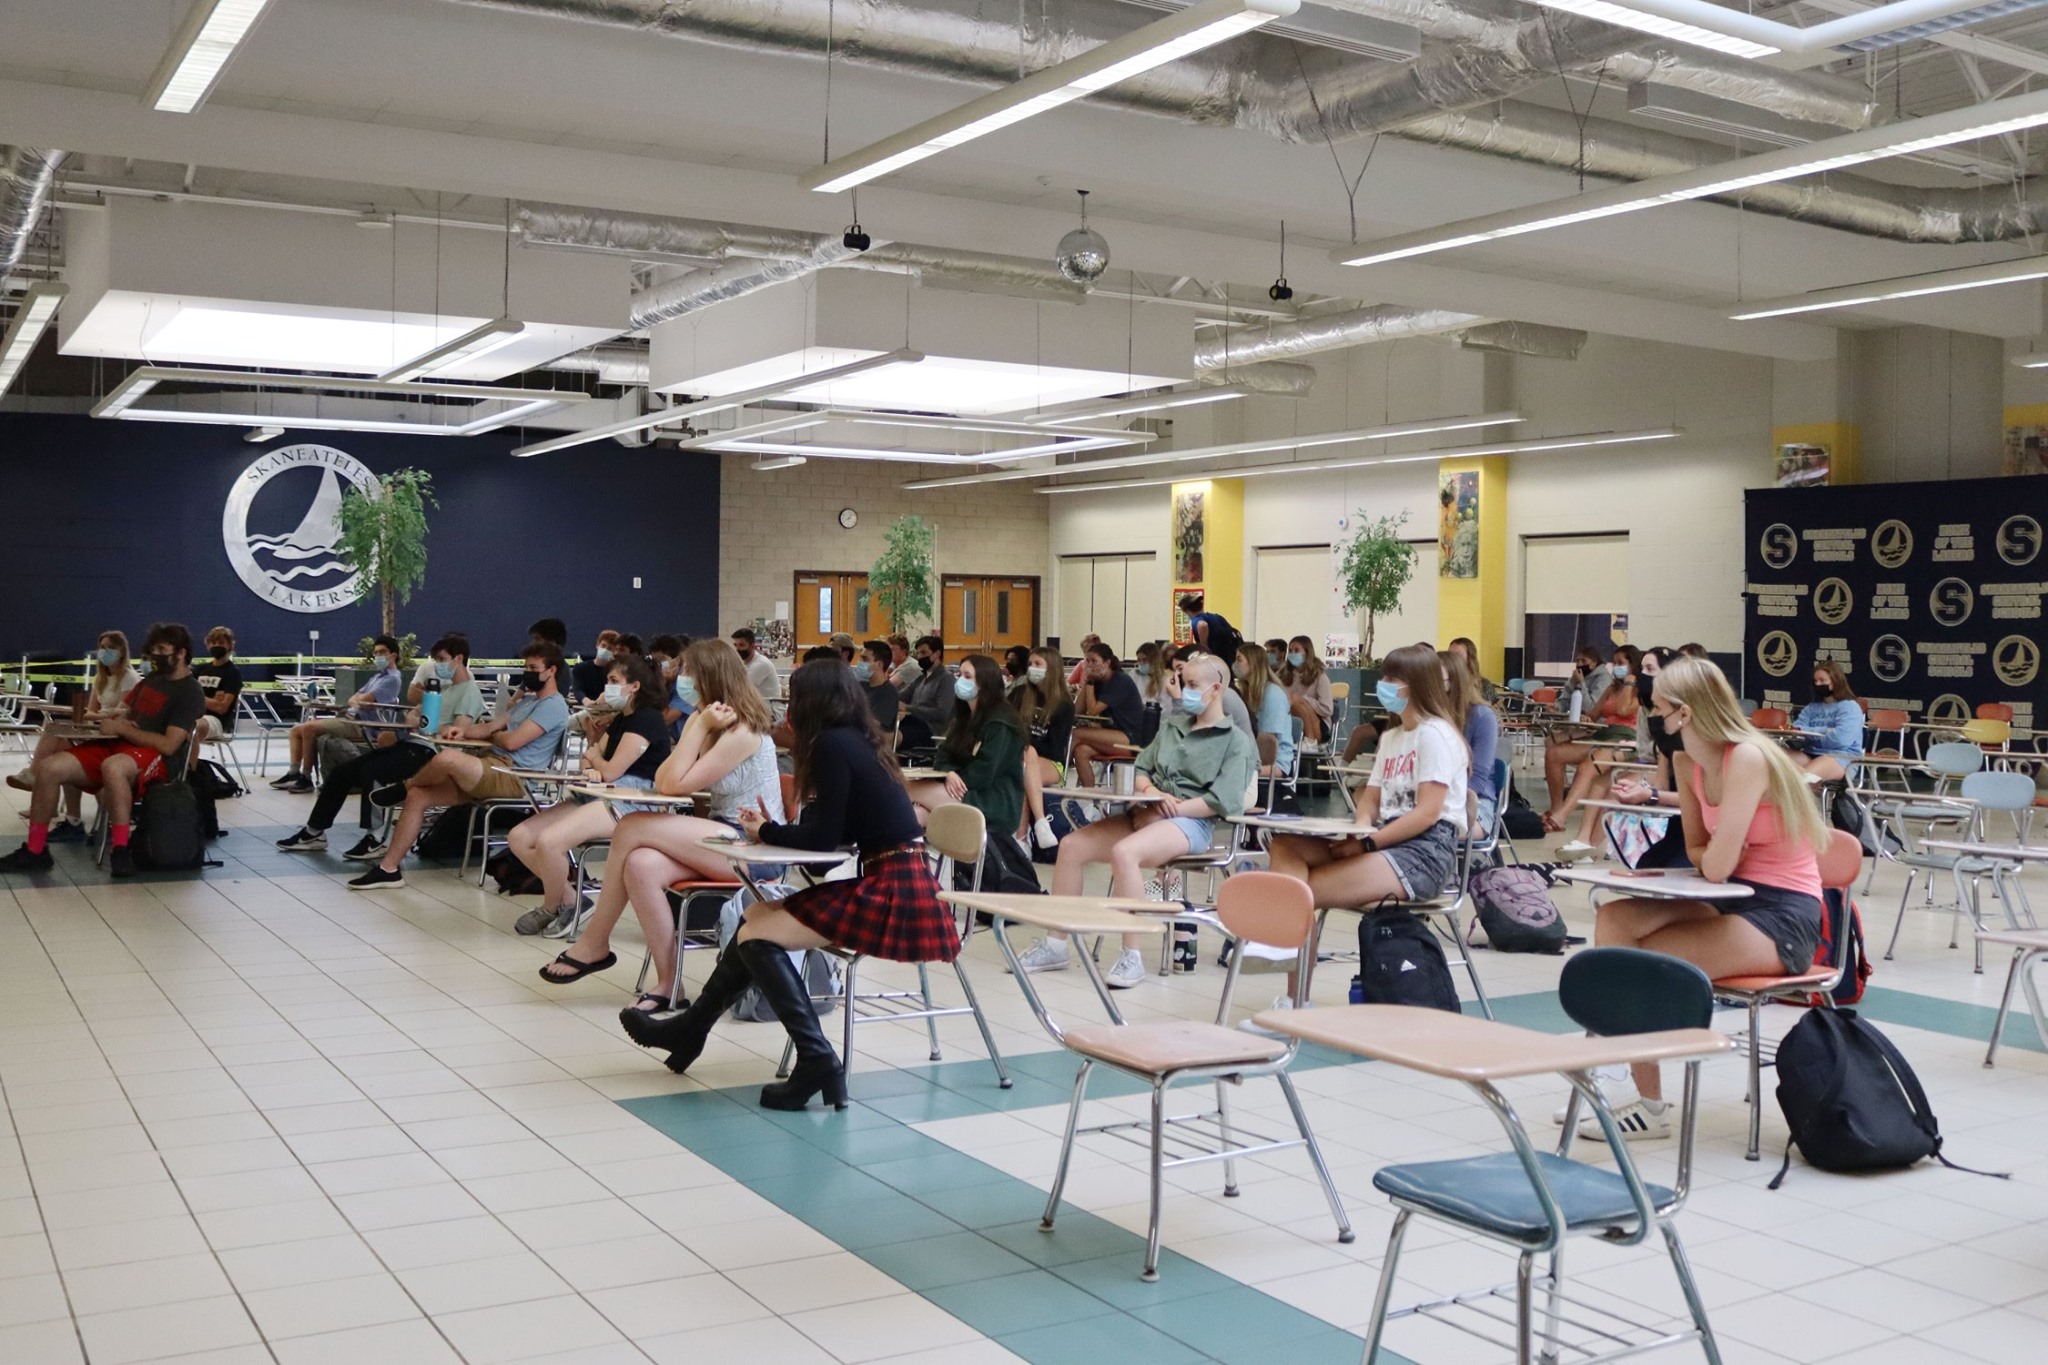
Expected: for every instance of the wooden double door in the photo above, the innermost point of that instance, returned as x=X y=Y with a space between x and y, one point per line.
x=987 y=615
x=828 y=601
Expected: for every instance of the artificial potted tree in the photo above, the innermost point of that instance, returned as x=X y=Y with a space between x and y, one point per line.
x=384 y=536
x=1374 y=569
x=900 y=583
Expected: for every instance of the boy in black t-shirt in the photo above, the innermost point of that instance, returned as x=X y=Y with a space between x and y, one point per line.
x=221 y=683
x=148 y=743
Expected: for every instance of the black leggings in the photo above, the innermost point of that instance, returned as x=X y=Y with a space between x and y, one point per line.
x=374 y=769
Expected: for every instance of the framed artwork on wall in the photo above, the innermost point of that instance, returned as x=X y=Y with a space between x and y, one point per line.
x=1190 y=532
x=1802 y=464
x=1458 y=524
x=2026 y=450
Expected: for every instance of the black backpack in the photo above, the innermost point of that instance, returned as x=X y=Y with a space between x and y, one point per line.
x=1851 y=1101
x=1006 y=869
x=169 y=833
x=1401 y=963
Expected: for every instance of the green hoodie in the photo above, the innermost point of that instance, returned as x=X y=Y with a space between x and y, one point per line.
x=1215 y=762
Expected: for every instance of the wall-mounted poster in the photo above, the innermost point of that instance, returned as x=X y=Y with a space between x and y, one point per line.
x=1190 y=531
x=2026 y=450
x=1457 y=536
x=1802 y=465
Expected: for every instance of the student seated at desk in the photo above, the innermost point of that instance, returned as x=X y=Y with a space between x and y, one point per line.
x=221 y=684
x=883 y=699
x=527 y=736
x=726 y=750
x=1308 y=688
x=1748 y=818
x=981 y=753
x=105 y=694
x=1480 y=725
x=1414 y=802
x=141 y=745
x=1047 y=709
x=377 y=701
x=1266 y=700
x=1838 y=718
x=390 y=762
x=1611 y=714
x=1590 y=782
x=928 y=700
x=1199 y=759
x=634 y=745
x=1108 y=692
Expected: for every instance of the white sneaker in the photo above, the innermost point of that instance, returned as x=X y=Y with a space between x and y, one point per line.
x=1047 y=955
x=1578 y=850
x=1286 y=1002
x=1128 y=971
x=1638 y=1122
x=1042 y=835
x=1620 y=1095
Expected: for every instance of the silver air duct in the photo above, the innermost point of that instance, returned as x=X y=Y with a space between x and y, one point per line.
x=1282 y=378
x=622 y=363
x=736 y=279
x=26 y=175
x=1524 y=338
x=1359 y=327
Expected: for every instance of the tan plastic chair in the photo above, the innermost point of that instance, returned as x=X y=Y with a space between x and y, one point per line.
x=1255 y=907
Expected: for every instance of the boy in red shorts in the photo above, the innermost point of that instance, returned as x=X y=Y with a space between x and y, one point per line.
x=138 y=749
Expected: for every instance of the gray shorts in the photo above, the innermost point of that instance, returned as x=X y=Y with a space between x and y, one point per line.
x=1200 y=834
x=1789 y=919
x=1425 y=863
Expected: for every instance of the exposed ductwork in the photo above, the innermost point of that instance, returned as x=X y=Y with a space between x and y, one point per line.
x=26 y=176
x=1282 y=378
x=1359 y=327
x=622 y=363
x=1524 y=338
x=700 y=289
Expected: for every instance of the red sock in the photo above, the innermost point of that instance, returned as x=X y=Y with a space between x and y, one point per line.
x=120 y=833
x=38 y=835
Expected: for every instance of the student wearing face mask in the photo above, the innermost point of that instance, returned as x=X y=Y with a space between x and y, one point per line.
x=1047 y=709
x=221 y=682
x=106 y=694
x=1078 y=673
x=527 y=736
x=981 y=753
x=1110 y=694
x=631 y=752
x=589 y=674
x=1276 y=655
x=665 y=652
x=1837 y=719
x=1611 y=715
x=1205 y=766
x=1016 y=659
x=1596 y=780
x=1308 y=688
x=928 y=701
x=1149 y=667
x=872 y=669
x=140 y=747
x=462 y=703
x=379 y=700
x=1412 y=811
x=1267 y=700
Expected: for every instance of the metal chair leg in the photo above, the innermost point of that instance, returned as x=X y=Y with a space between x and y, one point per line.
x=1223 y=1130
x=1315 y=1157
x=988 y=1036
x=1756 y=1079
x=846 y=1010
x=1525 y=1266
x=2012 y=979
x=1899 y=923
x=1471 y=968
x=1151 y=1272
x=1059 y=1175
x=1385 y=1291
x=1691 y=1290
x=931 y=1025
x=1553 y=1299
x=469 y=839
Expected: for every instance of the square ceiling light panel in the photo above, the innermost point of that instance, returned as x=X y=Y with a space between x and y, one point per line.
x=984 y=353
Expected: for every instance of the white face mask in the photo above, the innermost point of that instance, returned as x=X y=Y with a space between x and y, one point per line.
x=1036 y=673
x=615 y=695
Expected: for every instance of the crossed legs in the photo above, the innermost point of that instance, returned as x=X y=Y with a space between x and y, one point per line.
x=649 y=854
x=443 y=782
x=1718 y=944
x=1128 y=852
x=542 y=841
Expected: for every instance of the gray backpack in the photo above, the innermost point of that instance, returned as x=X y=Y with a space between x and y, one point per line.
x=1514 y=908
x=820 y=972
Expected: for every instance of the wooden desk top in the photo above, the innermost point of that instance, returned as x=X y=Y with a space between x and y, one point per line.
x=1465 y=1048
x=645 y=796
x=734 y=849
x=1659 y=884
x=1065 y=914
x=1312 y=826
x=2012 y=853
x=1101 y=794
x=1667 y=811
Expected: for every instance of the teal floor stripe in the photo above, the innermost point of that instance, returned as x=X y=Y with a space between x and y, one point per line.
x=1953 y=1016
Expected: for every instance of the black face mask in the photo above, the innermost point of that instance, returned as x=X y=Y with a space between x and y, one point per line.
x=163 y=663
x=530 y=681
x=925 y=662
x=219 y=653
x=1646 y=683
x=1666 y=743
x=1823 y=691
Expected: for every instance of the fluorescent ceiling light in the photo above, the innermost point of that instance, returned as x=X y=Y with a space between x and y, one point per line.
x=474 y=420
x=772 y=463
x=837 y=452
x=1328 y=438
x=479 y=341
x=1626 y=17
x=1706 y=24
x=795 y=421
x=212 y=30
x=1598 y=438
x=1127 y=407
x=953 y=384
x=289 y=340
x=1851 y=149
x=1900 y=287
x=2038 y=361
x=31 y=316
x=1176 y=36
x=726 y=403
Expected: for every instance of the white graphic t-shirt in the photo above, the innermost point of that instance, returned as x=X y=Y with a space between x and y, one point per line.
x=1432 y=752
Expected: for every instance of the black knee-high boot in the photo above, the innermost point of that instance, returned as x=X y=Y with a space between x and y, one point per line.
x=684 y=1034
x=817 y=1066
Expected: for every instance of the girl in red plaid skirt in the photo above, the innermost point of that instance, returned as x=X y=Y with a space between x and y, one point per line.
x=852 y=793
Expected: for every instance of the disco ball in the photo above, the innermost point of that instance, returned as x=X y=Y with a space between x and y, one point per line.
x=1082 y=255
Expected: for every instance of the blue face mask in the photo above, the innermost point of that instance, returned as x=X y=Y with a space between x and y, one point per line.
x=864 y=670
x=108 y=657
x=1191 y=701
x=686 y=689
x=603 y=656
x=1142 y=670
x=1393 y=696
x=445 y=672
x=615 y=695
x=964 y=688
x=1295 y=658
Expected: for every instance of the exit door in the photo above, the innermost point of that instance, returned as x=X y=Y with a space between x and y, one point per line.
x=988 y=615
x=827 y=602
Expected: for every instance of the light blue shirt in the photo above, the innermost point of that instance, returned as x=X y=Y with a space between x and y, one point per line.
x=1840 y=724
x=1276 y=718
x=384 y=689
x=552 y=715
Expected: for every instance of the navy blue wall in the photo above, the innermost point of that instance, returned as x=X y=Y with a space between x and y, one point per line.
x=116 y=524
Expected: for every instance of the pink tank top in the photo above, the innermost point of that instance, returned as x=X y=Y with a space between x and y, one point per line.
x=1768 y=857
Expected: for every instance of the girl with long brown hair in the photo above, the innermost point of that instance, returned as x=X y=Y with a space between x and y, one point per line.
x=1837 y=720
x=1047 y=709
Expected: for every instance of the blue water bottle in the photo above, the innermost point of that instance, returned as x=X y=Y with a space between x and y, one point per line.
x=1358 y=990
x=430 y=707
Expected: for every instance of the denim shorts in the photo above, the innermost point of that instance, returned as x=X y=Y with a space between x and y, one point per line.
x=641 y=784
x=1425 y=863
x=1789 y=919
x=1199 y=833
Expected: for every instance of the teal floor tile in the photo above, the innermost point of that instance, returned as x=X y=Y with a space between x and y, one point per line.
x=1094 y=1341
x=957 y=1258
x=872 y=1226
x=883 y=1140
x=819 y=1124
x=1017 y=1303
x=944 y=1169
x=874 y=1085
x=1233 y=1319
x=1075 y=1237
x=764 y=1158
x=1114 y=1279
x=1331 y=1346
x=988 y=1206
x=821 y=1181
x=1953 y=1016
x=930 y=1105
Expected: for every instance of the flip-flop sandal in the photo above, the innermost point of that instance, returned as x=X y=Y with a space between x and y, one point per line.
x=654 y=1002
x=1551 y=826
x=583 y=969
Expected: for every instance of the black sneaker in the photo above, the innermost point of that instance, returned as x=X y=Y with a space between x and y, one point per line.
x=377 y=879
x=298 y=786
x=368 y=851
x=67 y=832
x=290 y=778
x=121 y=861
x=21 y=860
x=389 y=795
x=305 y=841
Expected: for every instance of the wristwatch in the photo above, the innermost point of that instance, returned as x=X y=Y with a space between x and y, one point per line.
x=1656 y=798
x=1370 y=846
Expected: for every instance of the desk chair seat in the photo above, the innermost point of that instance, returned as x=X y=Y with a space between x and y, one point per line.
x=1173 y=1045
x=1493 y=1193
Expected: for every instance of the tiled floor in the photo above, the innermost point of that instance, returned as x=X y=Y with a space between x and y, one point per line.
x=253 y=1116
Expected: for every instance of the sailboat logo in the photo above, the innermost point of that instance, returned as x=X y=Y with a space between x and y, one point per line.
x=300 y=569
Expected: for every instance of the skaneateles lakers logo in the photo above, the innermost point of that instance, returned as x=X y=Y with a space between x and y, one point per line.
x=2019 y=539
x=2016 y=660
x=1951 y=602
x=300 y=488
x=1779 y=545
x=1890 y=657
x=1947 y=709
x=1776 y=653
x=1891 y=544
x=1832 y=601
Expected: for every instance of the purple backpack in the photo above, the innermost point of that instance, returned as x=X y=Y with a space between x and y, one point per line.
x=1514 y=908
